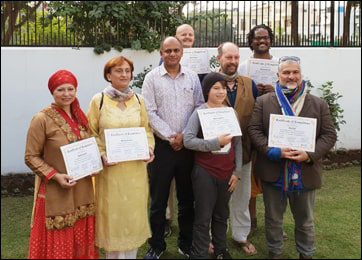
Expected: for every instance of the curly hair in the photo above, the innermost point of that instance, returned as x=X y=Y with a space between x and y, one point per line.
x=251 y=34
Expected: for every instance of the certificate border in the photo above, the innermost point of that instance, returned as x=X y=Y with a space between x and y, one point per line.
x=65 y=157
x=272 y=143
x=110 y=159
x=201 y=118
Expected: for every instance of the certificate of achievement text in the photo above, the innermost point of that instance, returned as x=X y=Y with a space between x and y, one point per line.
x=263 y=71
x=126 y=144
x=298 y=133
x=82 y=158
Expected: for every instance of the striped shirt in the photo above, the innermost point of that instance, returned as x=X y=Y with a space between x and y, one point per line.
x=171 y=101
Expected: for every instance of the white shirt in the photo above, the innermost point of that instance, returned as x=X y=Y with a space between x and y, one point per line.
x=171 y=101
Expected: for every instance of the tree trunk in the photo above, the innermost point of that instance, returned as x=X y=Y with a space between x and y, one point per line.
x=347 y=16
x=11 y=12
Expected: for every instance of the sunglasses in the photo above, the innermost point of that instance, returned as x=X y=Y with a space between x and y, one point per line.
x=293 y=58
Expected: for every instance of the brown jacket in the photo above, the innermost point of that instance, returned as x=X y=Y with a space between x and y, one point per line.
x=244 y=105
x=42 y=155
x=258 y=129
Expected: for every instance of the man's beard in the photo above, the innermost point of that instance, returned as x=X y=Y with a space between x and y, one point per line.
x=227 y=71
x=229 y=75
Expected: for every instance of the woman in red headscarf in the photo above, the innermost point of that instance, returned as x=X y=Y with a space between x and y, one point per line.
x=62 y=224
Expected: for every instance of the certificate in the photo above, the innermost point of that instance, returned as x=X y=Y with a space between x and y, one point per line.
x=126 y=144
x=298 y=133
x=263 y=71
x=218 y=121
x=82 y=158
x=196 y=59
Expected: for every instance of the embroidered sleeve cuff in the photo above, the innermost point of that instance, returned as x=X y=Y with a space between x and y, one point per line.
x=50 y=175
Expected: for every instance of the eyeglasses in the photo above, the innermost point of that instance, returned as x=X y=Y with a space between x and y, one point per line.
x=293 y=58
x=259 y=38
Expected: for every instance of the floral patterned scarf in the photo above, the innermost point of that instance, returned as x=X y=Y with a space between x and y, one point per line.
x=118 y=95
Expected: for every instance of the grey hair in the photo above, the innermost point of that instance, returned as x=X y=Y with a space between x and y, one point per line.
x=288 y=62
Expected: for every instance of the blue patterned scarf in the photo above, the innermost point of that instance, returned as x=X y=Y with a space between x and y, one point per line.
x=291 y=103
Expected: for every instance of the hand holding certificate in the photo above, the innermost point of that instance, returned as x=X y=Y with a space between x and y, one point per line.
x=217 y=122
x=298 y=133
x=126 y=144
x=82 y=158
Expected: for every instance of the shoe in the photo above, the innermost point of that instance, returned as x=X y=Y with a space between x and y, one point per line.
x=275 y=256
x=248 y=248
x=153 y=253
x=184 y=252
x=285 y=235
x=305 y=257
x=223 y=255
x=168 y=230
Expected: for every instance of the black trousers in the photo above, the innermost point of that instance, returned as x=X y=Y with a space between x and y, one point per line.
x=169 y=164
x=211 y=206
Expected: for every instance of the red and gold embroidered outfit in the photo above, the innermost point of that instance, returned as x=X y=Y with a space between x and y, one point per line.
x=62 y=219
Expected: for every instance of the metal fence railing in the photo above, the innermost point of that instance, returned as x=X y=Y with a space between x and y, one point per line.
x=294 y=23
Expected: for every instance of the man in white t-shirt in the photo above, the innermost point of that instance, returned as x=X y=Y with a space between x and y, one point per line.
x=260 y=39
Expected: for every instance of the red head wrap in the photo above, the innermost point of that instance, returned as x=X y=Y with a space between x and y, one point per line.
x=62 y=77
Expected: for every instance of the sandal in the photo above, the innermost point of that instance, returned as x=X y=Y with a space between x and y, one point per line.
x=247 y=247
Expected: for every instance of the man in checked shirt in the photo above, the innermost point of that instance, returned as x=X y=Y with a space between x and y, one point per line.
x=171 y=93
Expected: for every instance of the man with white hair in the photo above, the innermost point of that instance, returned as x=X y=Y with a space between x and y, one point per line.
x=288 y=174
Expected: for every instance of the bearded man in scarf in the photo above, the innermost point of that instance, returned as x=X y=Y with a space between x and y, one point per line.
x=241 y=95
x=289 y=174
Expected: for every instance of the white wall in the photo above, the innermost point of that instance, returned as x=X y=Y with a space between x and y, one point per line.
x=25 y=73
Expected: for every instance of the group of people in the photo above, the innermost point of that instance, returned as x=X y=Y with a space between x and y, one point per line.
x=110 y=209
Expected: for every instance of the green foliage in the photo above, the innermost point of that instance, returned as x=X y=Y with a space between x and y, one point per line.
x=99 y=49
x=118 y=48
x=332 y=100
x=221 y=31
x=44 y=31
x=214 y=64
x=140 y=77
x=122 y=24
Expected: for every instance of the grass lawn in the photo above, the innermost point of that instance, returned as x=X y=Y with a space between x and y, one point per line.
x=337 y=221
